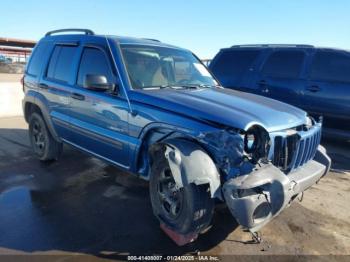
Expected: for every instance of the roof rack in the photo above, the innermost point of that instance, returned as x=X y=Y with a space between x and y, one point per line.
x=271 y=45
x=86 y=31
x=151 y=39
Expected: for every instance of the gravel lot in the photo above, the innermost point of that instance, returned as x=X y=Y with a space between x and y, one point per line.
x=82 y=206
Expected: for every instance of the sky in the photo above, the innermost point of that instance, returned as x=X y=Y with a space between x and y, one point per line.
x=202 y=26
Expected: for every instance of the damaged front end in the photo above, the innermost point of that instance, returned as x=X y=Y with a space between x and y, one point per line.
x=263 y=172
x=237 y=152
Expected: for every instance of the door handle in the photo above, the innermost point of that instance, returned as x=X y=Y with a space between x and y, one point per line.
x=313 y=88
x=43 y=86
x=262 y=83
x=77 y=96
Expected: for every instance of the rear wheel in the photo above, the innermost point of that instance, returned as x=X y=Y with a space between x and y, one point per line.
x=185 y=210
x=44 y=145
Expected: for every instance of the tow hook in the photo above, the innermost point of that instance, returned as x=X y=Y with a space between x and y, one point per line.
x=256 y=237
x=301 y=197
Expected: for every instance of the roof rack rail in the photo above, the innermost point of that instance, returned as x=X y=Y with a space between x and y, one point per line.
x=86 y=31
x=152 y=39
x=272 y=45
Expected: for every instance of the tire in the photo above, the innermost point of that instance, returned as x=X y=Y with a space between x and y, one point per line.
x=45 y=147
x=195 y=209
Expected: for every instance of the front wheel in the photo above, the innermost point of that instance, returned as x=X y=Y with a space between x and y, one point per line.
x=43 y=144
x=185 y=210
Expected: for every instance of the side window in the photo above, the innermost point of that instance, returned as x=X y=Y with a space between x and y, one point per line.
x=36 y=61
x=61 y=62
x=284 y=64
x=95 y=62
x=330 y=66
x=231 y=63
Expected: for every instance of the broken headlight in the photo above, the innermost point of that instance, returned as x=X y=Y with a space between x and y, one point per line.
x=256 y=143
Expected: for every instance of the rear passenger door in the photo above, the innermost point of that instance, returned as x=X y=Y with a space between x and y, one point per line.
x=234 y=67
x=280 y=76
x=99 y=119
x=327 y=91
x=56 y=84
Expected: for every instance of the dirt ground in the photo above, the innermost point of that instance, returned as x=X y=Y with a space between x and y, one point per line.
x=82 y=206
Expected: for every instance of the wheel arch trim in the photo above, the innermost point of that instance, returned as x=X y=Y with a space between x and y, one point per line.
x=41 y=102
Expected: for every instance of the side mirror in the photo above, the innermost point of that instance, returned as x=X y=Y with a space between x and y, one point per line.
x=97 y=82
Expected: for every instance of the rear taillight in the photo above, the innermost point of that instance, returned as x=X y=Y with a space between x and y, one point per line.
x=22 y=82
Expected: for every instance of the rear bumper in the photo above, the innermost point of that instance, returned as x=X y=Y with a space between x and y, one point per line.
x=256 y=198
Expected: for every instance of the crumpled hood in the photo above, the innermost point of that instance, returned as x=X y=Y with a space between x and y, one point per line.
x=224 y=106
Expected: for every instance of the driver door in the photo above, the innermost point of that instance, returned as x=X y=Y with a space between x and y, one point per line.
x=99 y=119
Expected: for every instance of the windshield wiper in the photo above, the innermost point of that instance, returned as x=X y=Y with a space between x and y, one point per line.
x=190 y=86
x=170 y=86
x=199 y=86
x=157 y=87
x=211 y=86
x=179 y=86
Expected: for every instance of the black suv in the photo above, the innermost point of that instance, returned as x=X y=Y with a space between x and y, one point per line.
x=314 y=79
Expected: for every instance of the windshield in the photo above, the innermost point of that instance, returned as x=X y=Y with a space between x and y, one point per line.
x=157 y=67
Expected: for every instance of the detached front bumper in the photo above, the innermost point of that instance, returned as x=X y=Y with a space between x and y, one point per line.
x=256 y=198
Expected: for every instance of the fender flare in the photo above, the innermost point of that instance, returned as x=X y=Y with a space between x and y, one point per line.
x=190 y=163
x=40 y=101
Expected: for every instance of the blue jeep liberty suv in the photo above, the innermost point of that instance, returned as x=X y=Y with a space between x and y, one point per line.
x=154 y=110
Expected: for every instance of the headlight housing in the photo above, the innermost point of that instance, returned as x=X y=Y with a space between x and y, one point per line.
x=256 y=143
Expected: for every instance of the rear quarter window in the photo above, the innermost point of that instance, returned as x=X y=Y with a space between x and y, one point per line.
x=37 y=59
x=330 y=66
x=61 y=61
